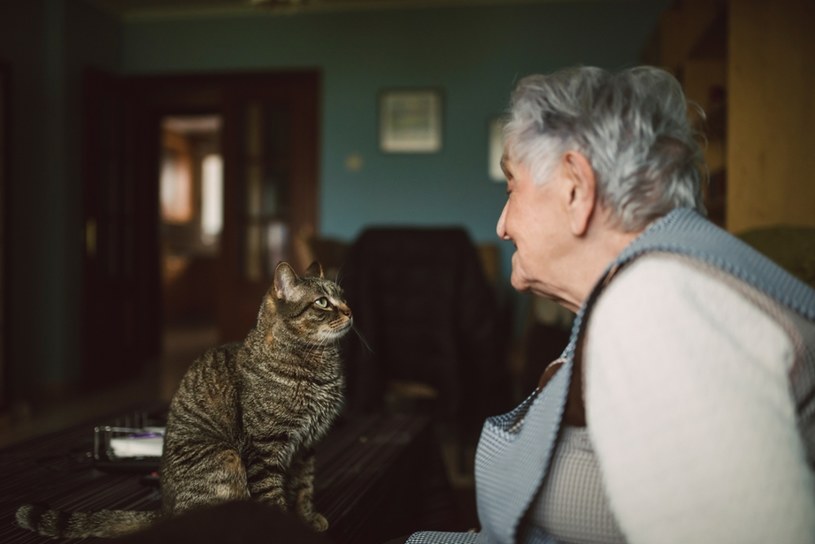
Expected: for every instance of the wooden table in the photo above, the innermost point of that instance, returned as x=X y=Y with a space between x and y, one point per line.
x=378 y=477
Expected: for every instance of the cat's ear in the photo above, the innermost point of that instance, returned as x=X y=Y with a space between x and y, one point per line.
x=284 y=281
x=315 y=269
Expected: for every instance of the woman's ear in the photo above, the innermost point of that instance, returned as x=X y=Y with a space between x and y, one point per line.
x=583 y=196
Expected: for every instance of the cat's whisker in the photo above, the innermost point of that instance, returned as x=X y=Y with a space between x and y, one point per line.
x=339 y=274
x=362 y=338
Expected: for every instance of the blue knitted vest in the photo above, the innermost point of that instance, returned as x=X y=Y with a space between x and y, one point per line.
x=515 y=449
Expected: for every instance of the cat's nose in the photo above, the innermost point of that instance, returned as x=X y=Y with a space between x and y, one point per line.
x=346 y=311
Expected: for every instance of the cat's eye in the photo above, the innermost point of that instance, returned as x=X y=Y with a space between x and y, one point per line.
x=322 y=303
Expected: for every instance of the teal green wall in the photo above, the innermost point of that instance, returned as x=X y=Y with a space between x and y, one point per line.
x=474 y=55
x=46 y=44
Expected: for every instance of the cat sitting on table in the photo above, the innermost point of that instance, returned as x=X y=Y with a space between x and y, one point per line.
x=246 y=416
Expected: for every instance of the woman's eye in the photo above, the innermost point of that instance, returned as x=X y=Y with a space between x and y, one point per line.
x=321 y=303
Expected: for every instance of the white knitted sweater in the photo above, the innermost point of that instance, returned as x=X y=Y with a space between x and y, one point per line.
x=690 y=414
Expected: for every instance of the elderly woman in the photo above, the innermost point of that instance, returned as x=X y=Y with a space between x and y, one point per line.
x=682 y=409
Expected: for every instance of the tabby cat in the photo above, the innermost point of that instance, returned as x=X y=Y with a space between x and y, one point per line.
x=246 y=416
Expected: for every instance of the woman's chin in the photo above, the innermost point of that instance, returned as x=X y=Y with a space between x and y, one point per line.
x=519 y=283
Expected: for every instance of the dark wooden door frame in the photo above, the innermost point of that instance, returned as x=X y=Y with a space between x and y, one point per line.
x=300 y=92
x=5 y=183
x=141 y=102
x=117 y=271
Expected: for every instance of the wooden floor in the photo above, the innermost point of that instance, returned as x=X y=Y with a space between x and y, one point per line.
x=182 y=344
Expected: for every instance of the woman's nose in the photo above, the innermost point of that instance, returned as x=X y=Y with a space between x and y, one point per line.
x=500 y=228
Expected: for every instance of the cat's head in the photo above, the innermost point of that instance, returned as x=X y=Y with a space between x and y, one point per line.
x=312 y=307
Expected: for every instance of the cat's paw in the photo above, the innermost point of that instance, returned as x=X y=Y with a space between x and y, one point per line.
x=276 y=501
x=318 y=522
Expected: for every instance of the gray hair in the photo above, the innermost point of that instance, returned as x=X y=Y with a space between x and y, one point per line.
x=632 y=126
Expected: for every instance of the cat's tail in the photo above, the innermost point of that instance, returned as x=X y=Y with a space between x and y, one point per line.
x=103 y=523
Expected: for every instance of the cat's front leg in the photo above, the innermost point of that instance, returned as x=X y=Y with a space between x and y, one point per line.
x=266 y=476
x=301 y=490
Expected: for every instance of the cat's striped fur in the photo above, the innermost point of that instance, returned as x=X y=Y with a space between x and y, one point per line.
x=246 y=416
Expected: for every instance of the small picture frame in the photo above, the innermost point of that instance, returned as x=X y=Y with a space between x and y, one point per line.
x=410 y=121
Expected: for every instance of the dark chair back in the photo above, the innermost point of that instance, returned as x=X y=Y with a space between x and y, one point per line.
x=422 y=302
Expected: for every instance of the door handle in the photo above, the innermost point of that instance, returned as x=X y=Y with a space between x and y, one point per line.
x=90 y=237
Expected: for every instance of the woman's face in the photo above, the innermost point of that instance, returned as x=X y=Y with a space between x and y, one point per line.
x=534 y=219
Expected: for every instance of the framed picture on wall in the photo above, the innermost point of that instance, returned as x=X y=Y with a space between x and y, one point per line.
x=410 y=121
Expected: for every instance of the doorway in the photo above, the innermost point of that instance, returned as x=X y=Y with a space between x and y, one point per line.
x=191 y=213
x=203 y=183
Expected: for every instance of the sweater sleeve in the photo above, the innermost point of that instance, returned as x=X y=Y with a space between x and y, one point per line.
x=690 y=413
